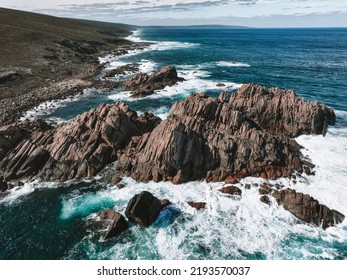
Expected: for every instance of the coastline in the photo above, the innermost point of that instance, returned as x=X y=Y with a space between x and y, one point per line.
x=82 y=205
x=62 y=65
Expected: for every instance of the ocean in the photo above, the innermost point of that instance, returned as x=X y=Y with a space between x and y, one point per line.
x=51 y=220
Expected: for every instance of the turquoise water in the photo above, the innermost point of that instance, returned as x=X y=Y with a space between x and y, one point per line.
x=52 y=220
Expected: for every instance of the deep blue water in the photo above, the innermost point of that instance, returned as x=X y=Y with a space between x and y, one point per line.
x=50 y=220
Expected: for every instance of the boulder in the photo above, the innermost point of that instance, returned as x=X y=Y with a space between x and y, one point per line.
x=113 y=221
x=143 y=209
x=205 y=138
x=263 y=191
x=232 y=190
x=197 y=205
x=144 y=84
x=265 y=199
x=77 y=149
x=282 y=111
x=308 y=209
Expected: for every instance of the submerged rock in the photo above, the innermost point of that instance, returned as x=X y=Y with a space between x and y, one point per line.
x=308 y=209
x=205 y=138
x=77 y=149
x=282 y=111
x=144 y=84
x=114 y=221
x=143 y=209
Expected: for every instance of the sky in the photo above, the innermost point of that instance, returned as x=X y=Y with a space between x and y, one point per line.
x=252 y=13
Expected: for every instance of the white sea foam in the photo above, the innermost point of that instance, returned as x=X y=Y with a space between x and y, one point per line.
x=193 y=83
x=48 y=107
x=232 y=64
x=16 y=193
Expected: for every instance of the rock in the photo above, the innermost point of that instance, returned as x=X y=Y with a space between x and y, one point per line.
x=204 y=138
x=164 y=203
x=232 y=180
x=223 y=96
x=143 y=209
x=3 y=186
x=120 y=186
x=265 y=199
x=307 y=209
x=281 y=111
x=197 y=205
x=247 y=186
x=121 y=70
x=232 y=190
x=263 y=191
x=7 y=76
x=114 y=221
x=220 y=85
x=77 y=149
x=144 y=84
x=116 y=180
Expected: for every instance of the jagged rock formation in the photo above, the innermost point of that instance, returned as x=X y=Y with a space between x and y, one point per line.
x=281 y=111
x=307 y=209
x=205 y=138
x=77 y=149
x=143 y=209
x=114 y=223
x=144 y=84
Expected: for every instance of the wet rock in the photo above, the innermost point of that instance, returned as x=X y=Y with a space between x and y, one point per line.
x=3 y=185
x=263 y=191
x=265 y=199
x=144 y=84
x=143 y=209
x=247 y=186
x=197 y=205
x=308 y=209
x=220 y=85
x=232 y=190
x=77 y=149
x=114 y=221
x=116 y=180
x=120 y=186
x=164 y=203
x=204 y=138
x=282 y=111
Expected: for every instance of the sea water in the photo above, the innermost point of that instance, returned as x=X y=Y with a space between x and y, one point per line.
x=51 y=220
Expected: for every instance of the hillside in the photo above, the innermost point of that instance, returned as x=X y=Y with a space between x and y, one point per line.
x=38 y=50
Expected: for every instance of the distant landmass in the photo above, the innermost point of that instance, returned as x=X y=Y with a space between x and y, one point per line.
x=208 y=26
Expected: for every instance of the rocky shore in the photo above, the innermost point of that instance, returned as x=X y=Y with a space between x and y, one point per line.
x=247 y=133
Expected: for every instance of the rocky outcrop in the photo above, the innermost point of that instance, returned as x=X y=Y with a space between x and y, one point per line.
x=3 y=185
x=121 y=70
x=205 y=138
x=144 y=84
x=281 y=111
x=114 y=223
x=197 y=205
x=307 y=209
x=78 y=149
x=9 y=75
x=143 y=209
x=232 y=190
